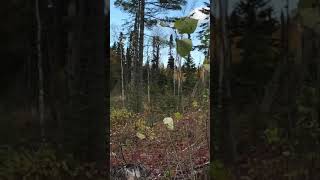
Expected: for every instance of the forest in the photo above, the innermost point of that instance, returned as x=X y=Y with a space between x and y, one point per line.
x=160 y=89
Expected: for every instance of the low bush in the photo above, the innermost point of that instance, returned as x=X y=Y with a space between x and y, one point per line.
x=43 y=164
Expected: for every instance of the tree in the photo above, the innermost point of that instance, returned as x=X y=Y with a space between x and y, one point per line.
x=40 y=70
x=155 y=54
x=252 y=27
x=85 y=134
x=189 y=69
x=171 y=58
x=122 y=62
x=145 y=14
x=253 y=24
x=139 y=78
x=223 y=126
x=129 y=59
x=204 y=33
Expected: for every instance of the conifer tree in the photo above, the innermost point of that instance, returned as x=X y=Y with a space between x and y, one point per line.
x=252 y=21
x=144 y=13
x=189 y=69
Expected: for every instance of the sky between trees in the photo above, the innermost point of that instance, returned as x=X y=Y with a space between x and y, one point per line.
x=118 y=18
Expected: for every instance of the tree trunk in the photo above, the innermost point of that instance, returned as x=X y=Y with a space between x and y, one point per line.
x=179 y=75
x=86 y=125
x=226 y=142
x=139 y=83
x=174 y=79
x=135 y=42
x=122 y=75
x=96 y=55
x=40 y=71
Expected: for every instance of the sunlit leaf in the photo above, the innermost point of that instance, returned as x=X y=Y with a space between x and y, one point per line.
x=178 y=116
x=186 y=25
x=140 y=135
x=152 y=135
x=184 y=46
x=195 y=104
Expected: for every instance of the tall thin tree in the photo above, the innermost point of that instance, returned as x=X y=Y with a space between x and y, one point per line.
x=40 y=71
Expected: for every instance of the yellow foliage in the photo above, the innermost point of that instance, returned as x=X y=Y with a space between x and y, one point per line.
x=120 y=115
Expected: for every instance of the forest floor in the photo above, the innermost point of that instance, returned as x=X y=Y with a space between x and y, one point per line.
x=166 y=153
x=179 y=152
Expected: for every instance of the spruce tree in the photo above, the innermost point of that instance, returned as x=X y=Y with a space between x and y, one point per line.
x=155 y=53
x=120 y=47
x=189 y=69
x=252 y=21
x=252 y=25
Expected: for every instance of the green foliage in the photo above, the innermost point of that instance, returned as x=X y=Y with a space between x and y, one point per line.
x=186 y=25
x=307 y=127
x=140 y=135
x=184 y=46
x=272 y=135
x=310 y=17
x=26 y=164
x=254 y=31
x=163 y=101
x=178 y=116
x=143 y=130
x=167 y=174
x=41 y=164
x=140 y=124
x=189 y=70
x=219 y=172
x=120 y=115
x=195 y=104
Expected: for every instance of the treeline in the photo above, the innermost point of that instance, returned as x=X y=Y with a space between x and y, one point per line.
x=160 y=87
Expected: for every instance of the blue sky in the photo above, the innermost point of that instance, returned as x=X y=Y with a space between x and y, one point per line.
x=117 y=18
